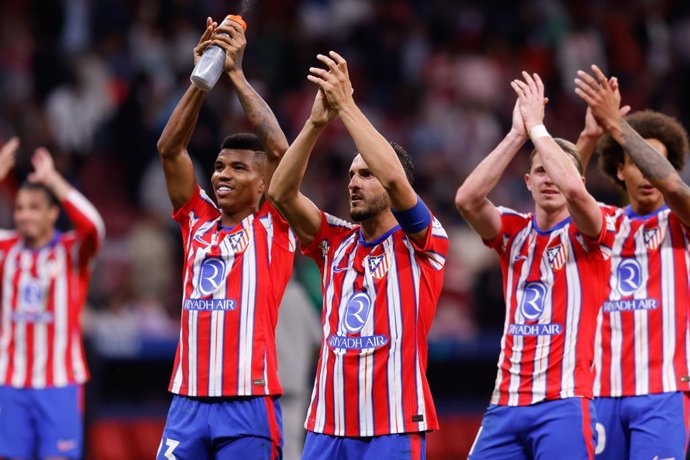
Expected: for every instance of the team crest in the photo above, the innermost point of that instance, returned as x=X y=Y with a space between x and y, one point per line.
x=652 y=237
x=378 y=265
x=238 y=241
x=557 y=256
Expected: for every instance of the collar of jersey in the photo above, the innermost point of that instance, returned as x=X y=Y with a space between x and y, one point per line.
x=49 y=244
x=628 y=210
x=378 y=240
x=559 y=225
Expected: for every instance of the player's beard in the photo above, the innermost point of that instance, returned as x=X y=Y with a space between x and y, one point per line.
x=374 y=207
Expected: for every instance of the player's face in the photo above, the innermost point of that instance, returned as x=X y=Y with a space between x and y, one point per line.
x=34 y=216
x=368 y=197
x=643 y=196
x=544 y=192
x=237 y=180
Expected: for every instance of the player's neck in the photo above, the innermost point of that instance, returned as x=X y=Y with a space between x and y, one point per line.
x=547 y=219
x=39 y=241
x=230 y=219
x=378 y=225
x=643 y=208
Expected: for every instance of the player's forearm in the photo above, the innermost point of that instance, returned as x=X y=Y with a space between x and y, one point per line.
x=260 y=116
x=288 y=176
x=486 y=175
x=657 y=169
x=374 y=148
x=586 y=144
x=180 y=127
x=84 y=215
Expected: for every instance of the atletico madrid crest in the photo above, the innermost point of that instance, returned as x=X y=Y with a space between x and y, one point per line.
x=378 y=265
x=652 y=238
x=557 y=256
x=238 y=241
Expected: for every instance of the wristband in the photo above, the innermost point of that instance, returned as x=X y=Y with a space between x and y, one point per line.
x=538 y=131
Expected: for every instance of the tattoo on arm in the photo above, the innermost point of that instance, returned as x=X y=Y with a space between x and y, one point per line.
x=645 y=157
x=262 y=119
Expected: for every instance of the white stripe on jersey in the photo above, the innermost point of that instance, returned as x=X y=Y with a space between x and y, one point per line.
x=396 y=417
x=572 y=320
x=267 y=221
x=641 y=317
x=668 y=305
x=340 y=252
x=61 y=320
x=614 y=316
x=7 y=294
x=519 y=341
x=519 y=240
x=86 y=208
x=541 y=356
x=421 y=404
x=40 y=352
x=247 y=308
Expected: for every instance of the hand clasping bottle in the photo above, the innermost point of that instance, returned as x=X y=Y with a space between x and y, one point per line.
x=210 y=65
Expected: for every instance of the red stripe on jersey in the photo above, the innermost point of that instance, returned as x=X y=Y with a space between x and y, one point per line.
x=644 y=328
x=233 y=282
x=548 y=343
x=379 y=300
x=40 y=330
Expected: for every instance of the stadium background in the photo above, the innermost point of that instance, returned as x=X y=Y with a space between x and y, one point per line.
x=96 y=80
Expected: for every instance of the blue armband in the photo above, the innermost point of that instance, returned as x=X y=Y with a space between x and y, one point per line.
x=415 y=219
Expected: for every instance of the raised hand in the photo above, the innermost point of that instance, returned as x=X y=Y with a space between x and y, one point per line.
x=44 y=167
x=334 y=82
x=602 y=96
x=518 y=126
x=229 y=35
x=205 y=39
x=531 y=99
x=321 y=111
x=8 y=153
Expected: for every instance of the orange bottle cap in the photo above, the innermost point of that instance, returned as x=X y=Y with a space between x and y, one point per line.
x=238 y=19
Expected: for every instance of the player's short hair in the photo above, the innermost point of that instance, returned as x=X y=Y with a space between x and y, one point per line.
x=650 y=125
x=568 y=147
x=405 y=160
x=245 y=141
x=52 y=199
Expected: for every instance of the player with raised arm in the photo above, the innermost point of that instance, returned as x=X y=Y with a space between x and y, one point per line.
x=238 y=257
x=45 y=278
x=553 y=261
x=381 y=280
x=642 y=352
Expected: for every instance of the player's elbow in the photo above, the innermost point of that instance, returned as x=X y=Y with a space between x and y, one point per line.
x=465 y=200
x=279 y=194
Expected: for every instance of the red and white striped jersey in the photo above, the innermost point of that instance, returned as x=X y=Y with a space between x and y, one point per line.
x=233 y=280
x=43 y=293
x=643 y=339
x=553 y=284
x=379 y=299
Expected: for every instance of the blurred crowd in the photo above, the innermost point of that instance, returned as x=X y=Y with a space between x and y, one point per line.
x=95 y=81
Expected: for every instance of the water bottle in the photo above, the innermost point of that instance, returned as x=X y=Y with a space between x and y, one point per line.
x=210 y=65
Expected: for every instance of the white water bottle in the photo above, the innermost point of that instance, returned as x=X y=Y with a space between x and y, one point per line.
x=209 y=67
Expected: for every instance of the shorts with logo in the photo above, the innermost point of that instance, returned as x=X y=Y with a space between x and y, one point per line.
x=39 y=423
x=562 y=428
x=406 y=446
x=223 y=428
x=643 y=427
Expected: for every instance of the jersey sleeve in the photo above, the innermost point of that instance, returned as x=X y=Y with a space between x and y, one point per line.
x=434 y=248
x=511 y=222
x=89 y=228
x=199 y=210
x=330 y=229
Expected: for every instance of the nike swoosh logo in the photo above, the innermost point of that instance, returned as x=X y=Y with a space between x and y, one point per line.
x=341 y=269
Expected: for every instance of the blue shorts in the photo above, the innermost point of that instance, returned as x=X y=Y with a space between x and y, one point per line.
x=223 y=428
x=562 y=428
x=650 y=426
x=407 y=446
x=41 y=423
